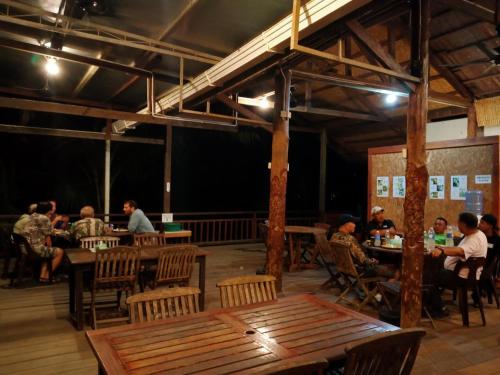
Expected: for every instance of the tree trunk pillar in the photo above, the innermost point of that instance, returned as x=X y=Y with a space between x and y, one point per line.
x=416 y=170
x=279 y=173
x=107 y=170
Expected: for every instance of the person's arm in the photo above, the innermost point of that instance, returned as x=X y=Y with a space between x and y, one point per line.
x=133 y=222
x=448 y=251
x=358 y=253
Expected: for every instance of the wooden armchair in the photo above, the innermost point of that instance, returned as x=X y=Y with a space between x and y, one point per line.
x=92 y=242
x=174 y=267
x=163 y=304
x=353 y=279
x=389 y=353
x=327 y=255
x=245 y=290
x=115 y=269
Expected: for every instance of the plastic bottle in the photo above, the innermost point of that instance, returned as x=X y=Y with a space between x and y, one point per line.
x=474 y=201
x=449 y=236
x=426 y=240
x=377 y=239
x=431 y=243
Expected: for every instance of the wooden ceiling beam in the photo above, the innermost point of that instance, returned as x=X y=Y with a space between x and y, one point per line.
x=471 y=8
x=79 y=134
x=449 y=76
x=362 y=35
x=480 y=78
x=241 y=109
x=335 y=113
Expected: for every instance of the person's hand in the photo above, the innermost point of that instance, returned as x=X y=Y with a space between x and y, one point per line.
x=392 y=231
x=437 y=252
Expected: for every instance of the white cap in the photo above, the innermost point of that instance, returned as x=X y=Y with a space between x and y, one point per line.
x=376 y=210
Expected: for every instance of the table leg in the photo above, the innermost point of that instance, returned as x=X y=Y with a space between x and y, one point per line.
x=201 y=281
x=79 y=299
x=291 y=253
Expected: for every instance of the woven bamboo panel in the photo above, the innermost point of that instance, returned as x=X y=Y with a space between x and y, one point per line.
x=470 y=161
x=488 y=111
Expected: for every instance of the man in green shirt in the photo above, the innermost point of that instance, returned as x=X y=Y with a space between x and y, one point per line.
x=440 y=225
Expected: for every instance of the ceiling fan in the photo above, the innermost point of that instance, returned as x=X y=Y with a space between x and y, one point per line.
x=493 y=59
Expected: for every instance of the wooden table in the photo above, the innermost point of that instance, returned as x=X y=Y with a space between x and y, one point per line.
x=238 y=340
x=384 y=250
x=295 y=234
x=83 y=260
x=126 y=237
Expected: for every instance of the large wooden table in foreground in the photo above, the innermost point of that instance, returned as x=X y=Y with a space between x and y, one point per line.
x=83 y=260
x=245 y=339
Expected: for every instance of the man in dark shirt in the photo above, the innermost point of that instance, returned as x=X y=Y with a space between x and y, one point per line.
x=380 y=223
x=488 y=225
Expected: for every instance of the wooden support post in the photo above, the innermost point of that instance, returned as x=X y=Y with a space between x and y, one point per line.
x=279 y=174
x=471 y=122
x=322 y=174
x=416 y=170
x=167 y=175
x=107 y=169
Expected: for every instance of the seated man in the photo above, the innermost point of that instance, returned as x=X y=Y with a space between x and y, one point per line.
x=473 y=244
x=138 y=222
x=88 y=226
x=57 y=221
x=488 y=225
x=36 y=229
x=440 y=225
x=370 y=266
x=18 y=226
x=380 y=223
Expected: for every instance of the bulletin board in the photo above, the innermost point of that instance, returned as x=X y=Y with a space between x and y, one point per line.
x=467 y=157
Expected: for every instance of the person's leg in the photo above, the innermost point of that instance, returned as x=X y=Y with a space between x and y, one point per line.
x=55 y=255
x=57 y=259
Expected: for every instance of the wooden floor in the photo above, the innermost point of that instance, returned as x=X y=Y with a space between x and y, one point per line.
x=37 y=338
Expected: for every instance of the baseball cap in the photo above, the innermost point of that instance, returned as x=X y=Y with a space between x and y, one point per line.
x=347 y=218
x=377 y=209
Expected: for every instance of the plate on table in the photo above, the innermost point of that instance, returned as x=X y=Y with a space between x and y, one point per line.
x=391 y=247
x=120 y=230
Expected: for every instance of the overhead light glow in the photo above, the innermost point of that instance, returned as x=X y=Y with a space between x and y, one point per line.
x=264 y=103
x=391 y=99
x=51 y=67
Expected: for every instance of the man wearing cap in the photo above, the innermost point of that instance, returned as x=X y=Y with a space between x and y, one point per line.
x=380 y=223
x=347 y=226
x=489 y=226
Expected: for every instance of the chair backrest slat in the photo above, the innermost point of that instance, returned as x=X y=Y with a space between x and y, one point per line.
x=150 y=239
x=92 y=242
x=370 y=356
x=245 y=290
x=116 y=267
x=162 y=304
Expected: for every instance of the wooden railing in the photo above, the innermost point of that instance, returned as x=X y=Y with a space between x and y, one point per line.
x=207 y=227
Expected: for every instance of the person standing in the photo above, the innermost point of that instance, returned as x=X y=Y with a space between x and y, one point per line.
x=138 y=222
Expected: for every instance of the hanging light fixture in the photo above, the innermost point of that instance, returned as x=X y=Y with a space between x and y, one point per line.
x=52 y=67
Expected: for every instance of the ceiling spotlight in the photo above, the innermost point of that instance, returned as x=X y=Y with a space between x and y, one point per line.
x=391 y=99
x=264 y=103
x=51 y=67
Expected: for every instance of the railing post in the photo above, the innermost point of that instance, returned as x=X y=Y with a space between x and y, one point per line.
x=254 y=226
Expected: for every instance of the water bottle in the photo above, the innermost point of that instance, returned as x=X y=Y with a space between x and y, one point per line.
x=474 y=201
x=449 y=236
x=431 y=243
x=426 y=240
x=377 y=239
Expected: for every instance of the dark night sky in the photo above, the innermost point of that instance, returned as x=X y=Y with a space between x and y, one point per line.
x=212 y=171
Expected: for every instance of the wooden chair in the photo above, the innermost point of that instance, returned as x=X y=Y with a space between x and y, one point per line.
x=487 y=281
x=163 y=304
x=327 y=255
x=174 y=267
x=353 y=279
x=149 y=239
x=296 y=367
x=24 y=254
x=92 y=242
x=115 y=269
x=471 y=283
x=389 y=353
x=326 y=227
x=245 y=290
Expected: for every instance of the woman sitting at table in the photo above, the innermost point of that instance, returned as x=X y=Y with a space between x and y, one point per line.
x=369 y=266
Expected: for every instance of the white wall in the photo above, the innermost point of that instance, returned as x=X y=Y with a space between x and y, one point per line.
x=447 y=130
x=491 y=130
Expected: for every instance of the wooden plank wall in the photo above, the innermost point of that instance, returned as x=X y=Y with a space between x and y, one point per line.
x=461 y=157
